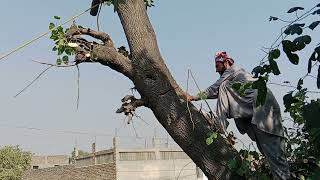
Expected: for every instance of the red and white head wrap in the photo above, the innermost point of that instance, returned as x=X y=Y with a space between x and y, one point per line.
x=222 y=56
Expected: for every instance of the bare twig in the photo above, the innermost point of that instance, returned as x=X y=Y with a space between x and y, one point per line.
x=98 y=25
x=43 y=34
x=182 y=169
x=193 y=126
x=284 y=85
x=45 y=70
x=200 y=91
x=55 y=65
x=139 y=117
x=135 y=131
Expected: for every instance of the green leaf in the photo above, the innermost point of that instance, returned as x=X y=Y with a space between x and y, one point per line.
x=301 y=42
x=300 y=83
x=65 y=59
x=209 y=141
x=261 y=86
x=314 y=25
x=232 y=164
x=61 y=49
x=244 y=168
x=274 y=66
x=316 y=12
x=272 y=18
x=274 y=54
x=257 y=70
x=294 y=29
x=54 y=48
x=211 y=138
x=288 y=46
x=51 y=26
x=255 y=154
x=293 y=58
x=295 y=9
x=236 y=86
x=56 y=17
x=202 y=95
x=59 y=61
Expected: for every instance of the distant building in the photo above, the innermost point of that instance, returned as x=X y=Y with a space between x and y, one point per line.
x=40 y=162
x=154 y=163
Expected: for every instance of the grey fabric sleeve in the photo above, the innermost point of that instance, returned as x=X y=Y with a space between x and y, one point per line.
x=212 y=91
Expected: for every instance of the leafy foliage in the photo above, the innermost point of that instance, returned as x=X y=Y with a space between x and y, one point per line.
x=211 y=137
x=62 y=46
x=13 y=162
x=303 y=139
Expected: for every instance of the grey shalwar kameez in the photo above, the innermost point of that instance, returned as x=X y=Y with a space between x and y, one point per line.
x=262 y=124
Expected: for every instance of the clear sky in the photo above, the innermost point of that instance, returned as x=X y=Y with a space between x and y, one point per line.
x=188 y=32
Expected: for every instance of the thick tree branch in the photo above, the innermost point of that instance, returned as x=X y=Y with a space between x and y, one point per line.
x=104 y=37
x=107 y=56
x=105 y=53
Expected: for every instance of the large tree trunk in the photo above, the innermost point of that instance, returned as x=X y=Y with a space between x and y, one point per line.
x=160 y=92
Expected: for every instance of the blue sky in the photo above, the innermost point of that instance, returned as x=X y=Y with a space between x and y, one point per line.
x=188 y=34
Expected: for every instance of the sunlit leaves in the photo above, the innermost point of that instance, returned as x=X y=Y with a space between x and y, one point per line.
x=62 y=47
x=202 y=95
x=245 y=166
x=294 y=9
x=211 y=137
x=242 y=87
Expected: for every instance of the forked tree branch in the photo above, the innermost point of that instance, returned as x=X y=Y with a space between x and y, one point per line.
x=105 y=53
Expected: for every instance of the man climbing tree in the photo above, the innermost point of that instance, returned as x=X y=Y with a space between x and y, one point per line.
x=158 y=90
x=262 y=123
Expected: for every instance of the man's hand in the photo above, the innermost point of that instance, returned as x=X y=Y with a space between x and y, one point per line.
x=190 y=98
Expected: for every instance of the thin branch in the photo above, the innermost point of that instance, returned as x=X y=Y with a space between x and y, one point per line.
x=54 y=65
x=139 y=117
x=44 y=34
x=193 y=126
x=182 y=169
x=135 y=131
x=45 y=70
x=284 y=85
x=200 y=90
x=98 y=25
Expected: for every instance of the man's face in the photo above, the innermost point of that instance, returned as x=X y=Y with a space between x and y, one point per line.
x=220 y=68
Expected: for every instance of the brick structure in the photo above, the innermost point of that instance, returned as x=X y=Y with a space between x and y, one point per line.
x=39 y=162
x=153 y=163
x=70 y=172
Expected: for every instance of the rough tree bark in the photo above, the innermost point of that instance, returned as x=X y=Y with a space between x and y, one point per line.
x=158 y=89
